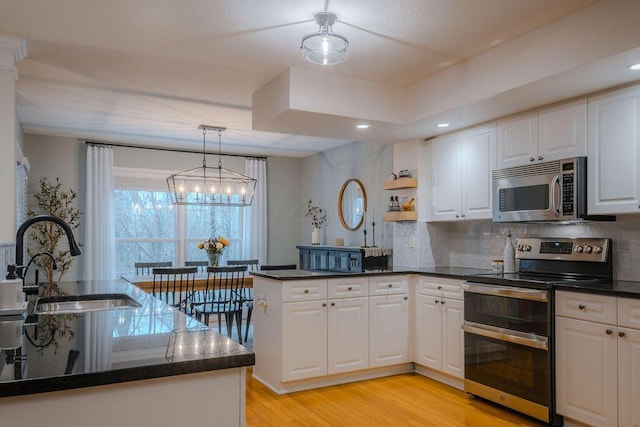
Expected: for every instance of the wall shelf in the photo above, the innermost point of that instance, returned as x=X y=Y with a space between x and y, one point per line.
x=400 y=183
x=401 y=216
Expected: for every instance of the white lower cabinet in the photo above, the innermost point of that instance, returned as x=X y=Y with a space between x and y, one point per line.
x=598 y=363
x=348 y=335
x=389 y=330
x=304 y=340
x=439 y=315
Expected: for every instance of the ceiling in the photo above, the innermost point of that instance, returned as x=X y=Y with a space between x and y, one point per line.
x=149 y=72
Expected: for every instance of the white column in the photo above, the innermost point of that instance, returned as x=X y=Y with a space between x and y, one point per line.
x=12 y=50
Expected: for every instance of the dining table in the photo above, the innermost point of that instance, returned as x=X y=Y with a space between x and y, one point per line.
x=145 y=282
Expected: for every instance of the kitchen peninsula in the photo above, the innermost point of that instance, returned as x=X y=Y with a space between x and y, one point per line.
x=122 y=367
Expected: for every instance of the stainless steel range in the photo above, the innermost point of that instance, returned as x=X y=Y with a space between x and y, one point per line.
x=509 y=320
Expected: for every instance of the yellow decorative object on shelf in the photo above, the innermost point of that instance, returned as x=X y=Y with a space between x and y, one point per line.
x=409 y=206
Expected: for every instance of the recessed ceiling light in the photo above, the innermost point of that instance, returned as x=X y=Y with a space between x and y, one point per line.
x=443 y=125
x=634 y=67
x=363 y=126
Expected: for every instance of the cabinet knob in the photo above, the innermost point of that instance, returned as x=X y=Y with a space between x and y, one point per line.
x=333 y=304
x=621 y=334
x=441 y=301
x=437 y=301
x=581 y=307
x=324 y=304
x=531 y=159
x=306 y=291
x=540 y=158
x=406 y=298
x=439 y=287
x=462 y=215
x=608 y=332
x=349 y=288
x=457 y=216
x=389 y=285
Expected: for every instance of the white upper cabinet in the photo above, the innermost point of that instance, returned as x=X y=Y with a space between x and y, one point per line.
x=614 y=154
x=550 y=134
x=461 y=174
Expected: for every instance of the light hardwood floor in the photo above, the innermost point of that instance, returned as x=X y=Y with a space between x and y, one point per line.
x=401 y=400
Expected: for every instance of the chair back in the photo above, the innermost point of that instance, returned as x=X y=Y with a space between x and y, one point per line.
x=221 y=292
x=278 y=267
x=201 y=265
x=252 y=264
x=143 y=268
x=175 y=286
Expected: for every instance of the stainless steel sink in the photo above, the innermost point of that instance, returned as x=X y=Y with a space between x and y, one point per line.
x=83 y=303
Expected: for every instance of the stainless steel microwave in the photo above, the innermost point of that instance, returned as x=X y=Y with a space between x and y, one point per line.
x=549 y=191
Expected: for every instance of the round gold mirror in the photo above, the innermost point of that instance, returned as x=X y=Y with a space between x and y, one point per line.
x=352 y=204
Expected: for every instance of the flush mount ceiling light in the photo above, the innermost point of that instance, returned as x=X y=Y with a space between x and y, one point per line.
x=634 y=67
x=215 y=186
x=324 y=47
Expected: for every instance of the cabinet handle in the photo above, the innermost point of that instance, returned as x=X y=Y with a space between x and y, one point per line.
x=531 y=159
x=621 y=334
x=389 y=285
x=608 y=332
x=462 y=215
x=457 y=216
x=406 y=298
x=581 y=307
x=333 y=304
x=324 y=304
x=439 y=287
x=349 y=288
x=441 y=301
x=436 y=301
x=540 y=158
x=306 y=291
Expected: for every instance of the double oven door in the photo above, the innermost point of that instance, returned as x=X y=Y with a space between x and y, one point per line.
x=507 y=339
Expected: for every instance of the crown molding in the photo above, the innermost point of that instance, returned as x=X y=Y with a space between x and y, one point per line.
x=13 y=49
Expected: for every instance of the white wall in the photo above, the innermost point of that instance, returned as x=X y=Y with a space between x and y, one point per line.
x=322 y=177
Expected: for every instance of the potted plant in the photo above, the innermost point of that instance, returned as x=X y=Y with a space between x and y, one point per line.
x=318 y=218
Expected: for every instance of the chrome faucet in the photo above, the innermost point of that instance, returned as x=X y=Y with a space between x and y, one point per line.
x=73 y=245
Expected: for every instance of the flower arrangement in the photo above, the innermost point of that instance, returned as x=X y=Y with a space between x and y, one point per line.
x=316 y=213
x=214 y=245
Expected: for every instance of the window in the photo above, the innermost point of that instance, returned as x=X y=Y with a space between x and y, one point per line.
x=149 y=228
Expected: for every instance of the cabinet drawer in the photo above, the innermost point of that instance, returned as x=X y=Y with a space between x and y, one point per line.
x=388 y=285
x=629 y=312
x=348 y=287
x=304 y=290
x=595 y=308
x=441 y=287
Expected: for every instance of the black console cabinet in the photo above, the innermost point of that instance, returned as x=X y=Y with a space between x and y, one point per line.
x=338 y=258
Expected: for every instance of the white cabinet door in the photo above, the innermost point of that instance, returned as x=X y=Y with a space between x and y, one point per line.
x=629 y=377
x=614 y=152
x=562 y=131
x=428 y=329
x=446 y=178
x=388 y=330
x=452 y=337
x=478 y=151
x=517 y=140
x=586 y=371
x=304 y=340
x=348 y=335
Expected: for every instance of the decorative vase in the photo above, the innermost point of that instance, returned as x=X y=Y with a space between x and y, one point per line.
x=315 y=236
x=214 y=259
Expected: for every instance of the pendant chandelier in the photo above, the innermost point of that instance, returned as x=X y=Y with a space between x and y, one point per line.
x=211 y=186
x=324 y=47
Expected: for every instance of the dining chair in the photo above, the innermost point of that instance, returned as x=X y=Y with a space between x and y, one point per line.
x=246 y=294
x=278 y=267
x=202 y=265
x=220 y=297
x=143 y=268
x=175 y=286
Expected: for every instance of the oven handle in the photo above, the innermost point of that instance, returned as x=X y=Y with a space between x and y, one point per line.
x=501 y=334
x=506 y=291
x=554 y=184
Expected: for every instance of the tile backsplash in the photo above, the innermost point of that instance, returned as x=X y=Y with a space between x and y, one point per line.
x=475 y=243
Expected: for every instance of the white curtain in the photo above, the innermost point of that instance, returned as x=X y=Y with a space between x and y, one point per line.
x=99 y=237
x=255 y=216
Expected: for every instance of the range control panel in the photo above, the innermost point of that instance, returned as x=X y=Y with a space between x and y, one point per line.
x=564 y=249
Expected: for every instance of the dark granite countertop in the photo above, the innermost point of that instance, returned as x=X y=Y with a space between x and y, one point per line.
x=450 y=272
x=154 y=340
x=618 y=288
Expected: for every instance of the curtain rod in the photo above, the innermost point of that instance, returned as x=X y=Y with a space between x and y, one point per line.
x=174 y=150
